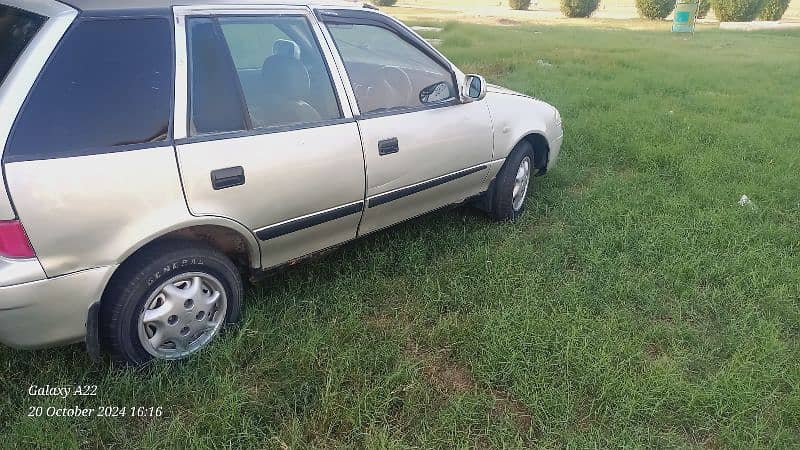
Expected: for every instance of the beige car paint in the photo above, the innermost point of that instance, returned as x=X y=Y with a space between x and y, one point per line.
x=291 y=246
x=432 y=143
x=96 y=210
x=16 y=271
x=39 y=314
x=288 y=175
x=387 y=214
x=507 y=107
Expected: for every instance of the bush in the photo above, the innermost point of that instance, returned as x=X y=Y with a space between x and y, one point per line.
x=519 y=4
x=736 y=10
x=384 y=2
x=655 y=9
x=578 y=8
x=702 y=8
x=773 y=9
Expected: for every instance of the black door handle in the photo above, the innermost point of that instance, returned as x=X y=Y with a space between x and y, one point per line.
x=388 y=146
x=227 y=177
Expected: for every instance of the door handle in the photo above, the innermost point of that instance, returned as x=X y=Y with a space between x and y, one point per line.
x=388 y=146
x=227 y=177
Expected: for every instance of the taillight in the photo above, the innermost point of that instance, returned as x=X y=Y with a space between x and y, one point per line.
x=14 y=242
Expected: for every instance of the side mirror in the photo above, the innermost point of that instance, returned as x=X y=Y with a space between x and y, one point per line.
x=474 y=88
x=435 y=93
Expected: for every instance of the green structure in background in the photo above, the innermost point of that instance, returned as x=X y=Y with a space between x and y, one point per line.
x=684 y=16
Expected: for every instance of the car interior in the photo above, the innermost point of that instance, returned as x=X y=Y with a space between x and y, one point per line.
x=280 y=93
x=380 y=87
x=284 y=79
x=386 y=71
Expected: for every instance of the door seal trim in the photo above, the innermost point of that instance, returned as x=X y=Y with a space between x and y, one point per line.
x=386 y=197
x=215 y=136
x=300 y=223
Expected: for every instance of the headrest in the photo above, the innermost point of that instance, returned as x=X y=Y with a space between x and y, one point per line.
x=286 y=77
x=284 y=47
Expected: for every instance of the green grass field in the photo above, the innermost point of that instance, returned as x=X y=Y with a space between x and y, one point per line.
x=539 y=10
x=635 y=304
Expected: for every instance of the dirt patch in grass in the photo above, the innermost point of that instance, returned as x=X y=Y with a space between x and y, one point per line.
x=505 y=404
x=703 y=440
x=584 y=420
x=390 y=322
x=451 y=377
x=440 y=370
x=653 y=351
x=508 y=22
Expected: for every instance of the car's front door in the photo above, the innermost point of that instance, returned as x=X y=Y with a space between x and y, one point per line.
x=264 y=139
x=423 y=148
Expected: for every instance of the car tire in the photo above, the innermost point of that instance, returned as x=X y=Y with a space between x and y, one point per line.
x=512 y=184
x=168 y=301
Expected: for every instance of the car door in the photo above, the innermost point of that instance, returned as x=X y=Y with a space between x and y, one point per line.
x=261 y=134
x=420 y=155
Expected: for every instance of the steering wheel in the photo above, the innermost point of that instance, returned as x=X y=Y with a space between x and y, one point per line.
x=399 y=85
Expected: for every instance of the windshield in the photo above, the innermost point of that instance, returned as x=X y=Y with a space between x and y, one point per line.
x=17 y=28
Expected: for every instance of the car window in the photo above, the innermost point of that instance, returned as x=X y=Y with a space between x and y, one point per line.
x=269 y=69
x=108 y=84
x=386 y=71
x=215 y=103
x=17 y=28
x=248 y=39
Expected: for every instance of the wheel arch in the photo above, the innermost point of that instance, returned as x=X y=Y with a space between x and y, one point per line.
x=517 y=118
x=227 y=236
x=541 y=150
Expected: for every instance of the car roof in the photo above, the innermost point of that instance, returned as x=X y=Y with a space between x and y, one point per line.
x=132 y=5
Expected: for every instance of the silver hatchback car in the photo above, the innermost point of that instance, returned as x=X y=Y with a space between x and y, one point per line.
x=156 y=151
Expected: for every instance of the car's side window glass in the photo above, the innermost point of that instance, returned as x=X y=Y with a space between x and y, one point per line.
x=215 y=103
x=109 y=84
x=387 y=72
x=257 y=72
x=17 y=28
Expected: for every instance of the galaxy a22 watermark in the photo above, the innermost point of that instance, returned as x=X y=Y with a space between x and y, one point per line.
x=83 y=391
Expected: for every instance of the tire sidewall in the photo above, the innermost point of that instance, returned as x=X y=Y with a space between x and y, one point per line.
x=150 y=278
x=517 y=212
x=504 y=200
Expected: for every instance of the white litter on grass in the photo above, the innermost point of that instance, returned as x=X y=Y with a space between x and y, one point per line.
x=758 y=25
x=424 y=29
x=434 y=42
x=745 y=201
x=543 y=63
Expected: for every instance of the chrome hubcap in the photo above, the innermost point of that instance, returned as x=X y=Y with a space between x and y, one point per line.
x=182 y=315
x=521 y=183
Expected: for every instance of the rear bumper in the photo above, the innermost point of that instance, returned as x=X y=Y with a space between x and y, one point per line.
x=52 y=311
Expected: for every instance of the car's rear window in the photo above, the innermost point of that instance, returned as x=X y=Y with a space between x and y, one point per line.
x=17 y=28
x=107 y=86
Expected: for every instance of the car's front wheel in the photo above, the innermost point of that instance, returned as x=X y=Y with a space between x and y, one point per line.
x=512 y=184
x=168 y=302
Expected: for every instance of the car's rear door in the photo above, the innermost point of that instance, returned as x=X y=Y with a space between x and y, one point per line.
x=261 y=134
x=420 y=155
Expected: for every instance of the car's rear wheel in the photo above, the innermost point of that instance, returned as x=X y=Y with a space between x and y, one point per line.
x=168 y=302
x=512 y=184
